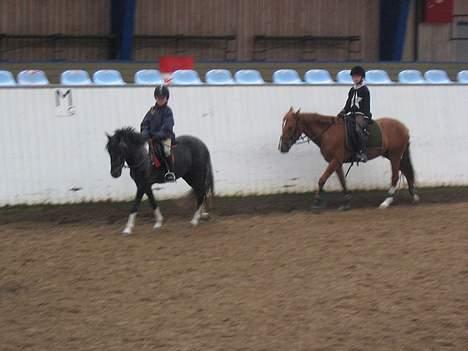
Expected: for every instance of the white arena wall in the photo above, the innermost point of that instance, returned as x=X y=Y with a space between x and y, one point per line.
x=52 y=146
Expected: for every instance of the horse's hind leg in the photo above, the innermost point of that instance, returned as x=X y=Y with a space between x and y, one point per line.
x=347 y=196
x=411 y=183
x=156 y=211
x=207 y=205
x=395 y=162
x=204 y=214
x=200 y=212
x=407 y=169
x=199 y=190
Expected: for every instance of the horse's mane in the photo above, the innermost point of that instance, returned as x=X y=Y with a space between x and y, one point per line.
x=130 y=135
x=318 y=118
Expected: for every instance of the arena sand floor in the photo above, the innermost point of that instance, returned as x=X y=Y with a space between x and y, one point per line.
x=263 y=274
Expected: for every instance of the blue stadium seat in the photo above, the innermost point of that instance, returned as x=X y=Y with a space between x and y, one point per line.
x=318 y=76
x=344 y=77
x=32 y=77
x=377 y=76
x=248 y=76
x=219 y=77
x=148 y=77
x=186 y=77
x=286 y=76
x=108 y=77
x=462 y=77
x=75 y=77
x=411 y=76
x=437 y=76
x=6 y=78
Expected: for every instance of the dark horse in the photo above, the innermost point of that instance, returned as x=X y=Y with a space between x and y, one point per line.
x=192 y=163
x=328 y=133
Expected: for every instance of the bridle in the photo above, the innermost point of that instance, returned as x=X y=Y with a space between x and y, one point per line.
x=303 y=138
x=125 y=164
x=291 y=142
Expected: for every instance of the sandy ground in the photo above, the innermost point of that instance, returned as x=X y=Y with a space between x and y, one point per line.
x=262 y=274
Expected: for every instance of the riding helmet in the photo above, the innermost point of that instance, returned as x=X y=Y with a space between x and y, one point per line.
x=358 y=71
x=161 y=91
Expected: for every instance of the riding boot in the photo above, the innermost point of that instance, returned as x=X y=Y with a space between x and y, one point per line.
x=170 y=176
x=362 y=157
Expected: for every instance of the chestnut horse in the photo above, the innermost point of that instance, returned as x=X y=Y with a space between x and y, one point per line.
x=328 y=133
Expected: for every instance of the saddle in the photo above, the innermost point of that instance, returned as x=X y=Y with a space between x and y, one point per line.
x=157 y=154
x=374 y=139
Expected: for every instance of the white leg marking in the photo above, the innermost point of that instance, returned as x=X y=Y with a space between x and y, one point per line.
x=130 y=224
x=196 y=217
x=416 y=198
x=387 y=202
x=203 y=212
x=159 y=218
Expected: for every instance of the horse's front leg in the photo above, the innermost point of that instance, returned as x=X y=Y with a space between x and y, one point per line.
x=154 y=205
x=133 y=211
x=332 y=167
x=347 y=195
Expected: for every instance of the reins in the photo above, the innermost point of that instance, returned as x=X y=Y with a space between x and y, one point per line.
x=306 y=139
x=127 y=165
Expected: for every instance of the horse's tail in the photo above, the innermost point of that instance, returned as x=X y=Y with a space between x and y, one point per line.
x=209 y=182
x=406 y=166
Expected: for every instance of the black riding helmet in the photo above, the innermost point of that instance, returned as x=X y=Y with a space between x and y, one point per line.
x=358 y=71
x=161 y=91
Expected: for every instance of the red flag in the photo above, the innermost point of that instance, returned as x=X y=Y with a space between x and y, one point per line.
x=438 y=11
x=169 y=64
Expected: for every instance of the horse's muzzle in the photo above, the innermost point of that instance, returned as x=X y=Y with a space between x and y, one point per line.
x=282 y=146
x=116 y=172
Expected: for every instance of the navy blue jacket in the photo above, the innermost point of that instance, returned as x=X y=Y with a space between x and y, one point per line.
x=158 y=123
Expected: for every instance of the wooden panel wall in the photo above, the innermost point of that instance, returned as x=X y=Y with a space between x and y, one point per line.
x=246 y=18
x=460 y=7
x=243 y=18
x=53 y=16
x=434 y=42
x=195 y=17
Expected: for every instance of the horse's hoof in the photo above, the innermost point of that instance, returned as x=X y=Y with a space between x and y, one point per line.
x=317 y=209
x=345 y=207
x=194 y=222
x=205 y=216
x=318 y=205
x=157 y=225
x=127 y=231
x=386 y=204
x=416 y=199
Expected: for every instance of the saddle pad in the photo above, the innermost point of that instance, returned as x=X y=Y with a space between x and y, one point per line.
x=375 y=136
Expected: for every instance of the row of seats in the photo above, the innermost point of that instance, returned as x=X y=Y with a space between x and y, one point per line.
x=224 y=77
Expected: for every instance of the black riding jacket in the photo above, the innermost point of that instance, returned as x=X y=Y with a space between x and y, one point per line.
x=358 y=101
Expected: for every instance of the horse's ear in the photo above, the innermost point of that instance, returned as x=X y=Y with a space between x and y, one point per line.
x=108 y=136
x=298 y=111
x=291 y=109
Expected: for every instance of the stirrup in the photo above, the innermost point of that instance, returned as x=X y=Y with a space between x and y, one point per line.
x=362 y=157
x=170 y=177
